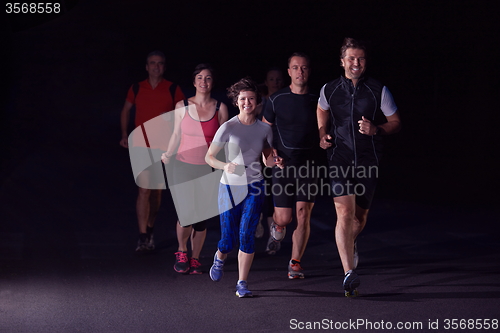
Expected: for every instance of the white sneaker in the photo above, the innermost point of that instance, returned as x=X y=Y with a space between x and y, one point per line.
x=277 y=232
x=272 y=246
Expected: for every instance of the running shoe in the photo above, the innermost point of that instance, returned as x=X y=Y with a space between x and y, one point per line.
x=259 y=232
x=272 y=246
x=150 y=246
x=294 y=270
x=356 y=255
x=277 y=232
x=351 y=282
x=242 y=290
x=142 y=243
x=194 y=266
x=217 y=269
x=181 y=262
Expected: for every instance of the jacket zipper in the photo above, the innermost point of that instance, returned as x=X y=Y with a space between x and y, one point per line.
x=353 y=126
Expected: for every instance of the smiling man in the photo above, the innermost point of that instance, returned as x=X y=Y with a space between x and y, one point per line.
x=292 y=113
x=354 y=111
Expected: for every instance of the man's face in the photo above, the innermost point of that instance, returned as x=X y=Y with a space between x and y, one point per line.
x=299 y=71
x=354 y=63
x=155 y=66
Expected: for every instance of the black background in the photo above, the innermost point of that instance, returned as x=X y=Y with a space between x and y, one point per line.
x=68 y=227
x=67 y=75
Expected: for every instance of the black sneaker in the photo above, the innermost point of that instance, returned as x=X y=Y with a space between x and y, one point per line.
x=181 y=262
x=142 y=243
x=351 y=282
x=194 y=266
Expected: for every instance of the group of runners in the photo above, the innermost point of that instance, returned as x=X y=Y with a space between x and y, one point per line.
x=287 y=130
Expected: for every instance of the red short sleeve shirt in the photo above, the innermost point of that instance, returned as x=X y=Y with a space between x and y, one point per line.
x=150 y=102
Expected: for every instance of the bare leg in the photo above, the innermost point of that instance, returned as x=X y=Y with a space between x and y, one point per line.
x=182 y=236
x=351 y=220
x=221 y=256
x=282 y=216
x=244 y=263
x=301 y=234
x=143 y=209
x=197 y=241
x=154 y=206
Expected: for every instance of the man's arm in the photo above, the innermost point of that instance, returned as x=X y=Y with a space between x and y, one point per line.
x=124 y=120
x=264 y=120
x=393 y=125
x=323 y=117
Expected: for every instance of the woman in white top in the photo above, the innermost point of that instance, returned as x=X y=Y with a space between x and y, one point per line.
x=241 y=188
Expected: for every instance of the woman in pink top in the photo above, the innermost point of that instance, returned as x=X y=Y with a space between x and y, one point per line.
x=196 y=121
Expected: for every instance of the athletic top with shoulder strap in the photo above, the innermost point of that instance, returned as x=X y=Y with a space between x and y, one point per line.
x=196 y=136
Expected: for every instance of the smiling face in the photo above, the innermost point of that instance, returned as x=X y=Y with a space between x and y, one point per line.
x=298 y=69
x=203 y=81
x=155 y=66
x=354 y=63
x=247 y=102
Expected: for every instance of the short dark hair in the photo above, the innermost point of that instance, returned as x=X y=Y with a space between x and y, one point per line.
x=201 y=67
x=245 y=84
x=299 y=54
x=156 y=53
x=351 y=43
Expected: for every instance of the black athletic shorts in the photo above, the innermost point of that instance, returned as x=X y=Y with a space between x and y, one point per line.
x=293 y=184
x=347 y=180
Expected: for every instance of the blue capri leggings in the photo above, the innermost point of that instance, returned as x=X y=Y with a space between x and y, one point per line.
x=240 y=217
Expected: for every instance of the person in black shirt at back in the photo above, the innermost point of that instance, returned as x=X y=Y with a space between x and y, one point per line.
x=292 y=113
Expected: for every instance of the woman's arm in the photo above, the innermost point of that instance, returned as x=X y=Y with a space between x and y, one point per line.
x=173 y=144
x=223 y=114
x=211 y=160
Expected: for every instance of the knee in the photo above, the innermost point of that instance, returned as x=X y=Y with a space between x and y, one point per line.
x=345 y=214
x=226 y=244
x=200 y=226
x=225 y=248
x=304 y=214
x=360 y=220
x=144 y=192
x=282 y=218
x=247 y=244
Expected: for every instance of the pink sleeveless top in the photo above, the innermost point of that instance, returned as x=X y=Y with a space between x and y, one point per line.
x=196 y=137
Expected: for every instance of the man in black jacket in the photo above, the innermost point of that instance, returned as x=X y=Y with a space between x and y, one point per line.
x=348 y=114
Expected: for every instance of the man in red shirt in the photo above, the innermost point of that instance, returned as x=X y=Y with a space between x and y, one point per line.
x=151 y=97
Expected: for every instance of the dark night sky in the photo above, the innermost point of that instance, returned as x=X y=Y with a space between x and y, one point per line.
x=67 y=75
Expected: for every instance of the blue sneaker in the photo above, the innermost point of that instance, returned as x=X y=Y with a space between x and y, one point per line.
x=216 y=271
x=242 y=290
x=351 y=282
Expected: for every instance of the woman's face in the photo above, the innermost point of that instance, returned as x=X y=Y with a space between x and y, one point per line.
x=274 y=80
x=247 y=102
x=203 y=81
